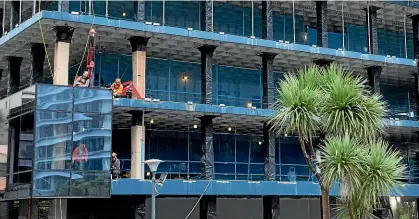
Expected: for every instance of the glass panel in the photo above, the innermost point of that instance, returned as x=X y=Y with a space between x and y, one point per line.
x=224 y=168
x=121 y=10
x=183 y=14
x=92 y=141
x=167 y=145
x=51 y=183
x=53 y=135
x=54 y=98
x=92 y=100
x=90 y=184
x=224 y=149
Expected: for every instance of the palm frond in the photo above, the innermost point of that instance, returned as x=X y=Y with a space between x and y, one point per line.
x=343 y=160
x=299 y=103
x=349 y=107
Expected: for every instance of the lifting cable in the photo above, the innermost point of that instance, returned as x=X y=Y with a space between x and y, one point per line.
x=43 y=39
x=45 y=46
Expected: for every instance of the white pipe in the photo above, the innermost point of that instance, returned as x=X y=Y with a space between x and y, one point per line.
x=4 y=15
x=343 y=29
x=293 y=18
x=368 y=23
x=405 y=36
x=107 y=8
x=34 y=7
x=164 y=12
x=253 y=20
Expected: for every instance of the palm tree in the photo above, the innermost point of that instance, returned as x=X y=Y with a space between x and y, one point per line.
x=329 y=102
x=366 y=172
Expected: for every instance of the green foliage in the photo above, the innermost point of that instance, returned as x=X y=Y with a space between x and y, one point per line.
x=338 y=105
x=365 y=172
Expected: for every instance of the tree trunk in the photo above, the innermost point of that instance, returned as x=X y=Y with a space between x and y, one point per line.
x=325 y=203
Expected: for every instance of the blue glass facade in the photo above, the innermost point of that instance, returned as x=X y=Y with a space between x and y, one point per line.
x=236 y=19
x=73 y=130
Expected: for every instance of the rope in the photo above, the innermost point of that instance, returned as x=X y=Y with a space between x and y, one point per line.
x=205 y=190
x=86 y=45
x=43 y=39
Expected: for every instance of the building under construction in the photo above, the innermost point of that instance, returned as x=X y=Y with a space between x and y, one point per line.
x=199 y=81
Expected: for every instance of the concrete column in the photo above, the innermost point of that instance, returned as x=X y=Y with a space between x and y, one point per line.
x=208 y=207
x=374 y=73
x=37 y=63
x=14 y=14
x=207 y=148
x=138 y=45
x=270 y=207
x=372 y=37
x=57 y=209
x=139 y=10
x=64 y=34
x=137 y=145
x=207 y=52
x=267 y=23
x=64 y=6
x=23 y=209
x=268 y=100
x=207 y=20
x=14 y=74
x=321 y=11
x=28 y=209
x=268 y=79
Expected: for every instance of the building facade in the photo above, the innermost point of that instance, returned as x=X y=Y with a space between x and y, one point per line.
x=209 y=73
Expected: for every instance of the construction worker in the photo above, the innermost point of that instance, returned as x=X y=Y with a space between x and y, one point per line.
x=117 y=88
x=79 y=157
x=82 y=81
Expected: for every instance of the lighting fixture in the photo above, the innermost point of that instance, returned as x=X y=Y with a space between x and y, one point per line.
x=189 y=103
x=195 y=126
x=314 y=46
x=253 y=107
x=260 y=143
x=74 y=133
x=287 y=42
x=83 y=129
x=102 y=127
x=156 y=24
x=148 y=23
x=229 y=129
x=340 y=49
x=147 y=99
x=17 y=25
x=153 y=164
x=252 y=37
x=156 y=100
x=75 y=13
x=222 y=105
x=185 y=77
x=249 y=104
x=285 y=134
x=152 y=121
x=190 y=28
x=280 y=41
x=222 y=33
x=124 y=14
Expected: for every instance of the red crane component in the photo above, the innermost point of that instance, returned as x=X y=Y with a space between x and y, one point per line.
x=90 y=64
x=129 y=86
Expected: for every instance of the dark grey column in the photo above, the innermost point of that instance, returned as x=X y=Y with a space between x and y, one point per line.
x=415 y=27
x=207 y=149
x=64 y=6
x=321 y=11
x=14 y=74
x=415 y=75
x=267 y=23
x=6 y=209
x=268 y=100
x=323 y=63
x=270 y=207
x=208 y=207
x=14 y=14
x=139 y=10
x=1 y=20
x=206 y=16
x=207 y=52
x=372 y=36
x=34 y=206
x=138 y=43
x=268 y=79
x=374 y=73
x=269 y=153
x=37 y=63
